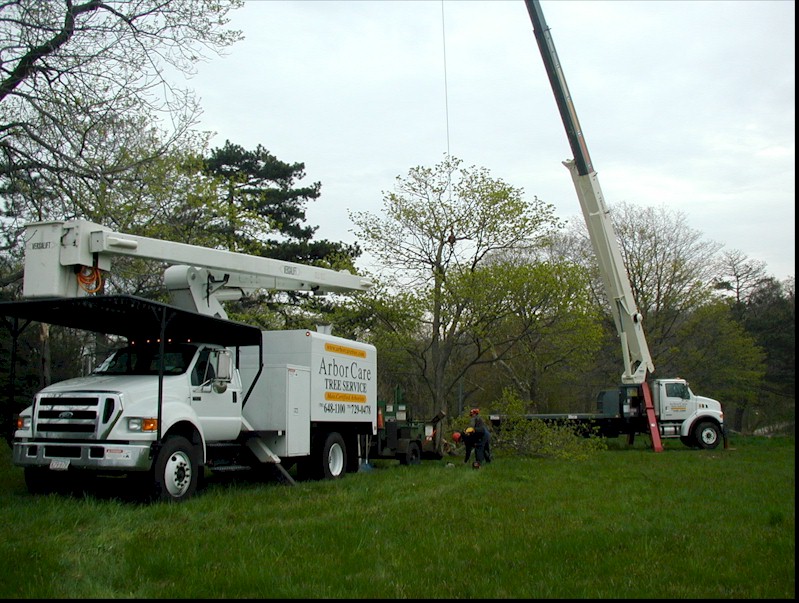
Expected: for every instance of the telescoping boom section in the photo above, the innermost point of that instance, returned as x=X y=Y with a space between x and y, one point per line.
x=635 y=351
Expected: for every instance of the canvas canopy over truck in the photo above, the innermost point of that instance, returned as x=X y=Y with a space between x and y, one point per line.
x=128 y=316
x=131 y=317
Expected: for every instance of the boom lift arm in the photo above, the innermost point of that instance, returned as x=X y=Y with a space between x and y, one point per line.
x=56 y=253
x=635 y=351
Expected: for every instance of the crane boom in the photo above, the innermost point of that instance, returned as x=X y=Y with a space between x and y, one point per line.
x=627 y=318
x=635 y=351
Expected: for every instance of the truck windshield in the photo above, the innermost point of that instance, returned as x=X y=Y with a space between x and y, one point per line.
x=144 y=359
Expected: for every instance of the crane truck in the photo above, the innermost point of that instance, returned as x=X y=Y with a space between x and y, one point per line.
x=664 y=408
x=188 y=388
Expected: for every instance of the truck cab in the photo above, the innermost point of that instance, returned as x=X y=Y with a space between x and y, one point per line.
x=107 y=419
x=697 y=420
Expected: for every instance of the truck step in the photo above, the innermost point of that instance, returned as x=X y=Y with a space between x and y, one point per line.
x=224 y=468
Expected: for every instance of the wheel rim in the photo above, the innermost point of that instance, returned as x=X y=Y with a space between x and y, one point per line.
x=709 y=436
x=335 y=460
x=178 y=474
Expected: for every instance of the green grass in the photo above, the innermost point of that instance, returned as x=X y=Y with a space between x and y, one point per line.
x=626 y=523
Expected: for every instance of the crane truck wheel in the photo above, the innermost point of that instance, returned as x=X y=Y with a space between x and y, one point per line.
x=412 y=456
x=707 y=435
x=176 y=472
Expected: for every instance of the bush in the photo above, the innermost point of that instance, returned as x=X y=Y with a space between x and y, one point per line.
x=563 y=439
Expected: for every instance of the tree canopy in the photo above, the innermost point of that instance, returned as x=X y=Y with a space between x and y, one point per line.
x=264 y=208
x=438 y=236
x=85 y=99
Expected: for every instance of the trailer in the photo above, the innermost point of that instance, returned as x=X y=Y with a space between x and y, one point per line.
x=400 y=437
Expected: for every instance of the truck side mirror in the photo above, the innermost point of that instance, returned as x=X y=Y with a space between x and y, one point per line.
x=223 y=366
x=223 y=376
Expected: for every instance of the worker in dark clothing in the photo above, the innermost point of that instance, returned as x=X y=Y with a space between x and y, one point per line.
x=479 y=425
x=472 y=440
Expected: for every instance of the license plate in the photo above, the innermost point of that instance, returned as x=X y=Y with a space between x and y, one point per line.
x=59 y=464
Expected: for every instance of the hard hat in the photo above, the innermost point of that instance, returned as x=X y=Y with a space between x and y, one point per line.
x=474 y=411
x=470 y=430
x=456 y=436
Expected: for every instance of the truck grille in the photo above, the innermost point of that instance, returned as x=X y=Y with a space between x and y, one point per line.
x=83 y=416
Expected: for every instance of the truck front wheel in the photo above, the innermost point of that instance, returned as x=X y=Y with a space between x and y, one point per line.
x=707 y=435
x=176 y=470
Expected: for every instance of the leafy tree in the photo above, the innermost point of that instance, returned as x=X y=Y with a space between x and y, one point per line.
x=393 y=322
x=260 y=210
x=670 y=267
x=433 y=240
x=80 y=83
x=739 y=276
x=85 y=103
x=766 y=309
x=546 y=343
x=770 y=318
x=719 y=358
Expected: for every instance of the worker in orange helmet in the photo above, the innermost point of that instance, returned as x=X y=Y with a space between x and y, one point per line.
x=483 y=442
x=469 y=438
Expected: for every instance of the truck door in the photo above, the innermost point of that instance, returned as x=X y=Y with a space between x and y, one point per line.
x=674 y=398
x=216 y=403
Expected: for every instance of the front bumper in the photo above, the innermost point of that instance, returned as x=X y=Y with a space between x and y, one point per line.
x=94 y=456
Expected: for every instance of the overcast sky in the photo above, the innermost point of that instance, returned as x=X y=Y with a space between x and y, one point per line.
x=684 y=104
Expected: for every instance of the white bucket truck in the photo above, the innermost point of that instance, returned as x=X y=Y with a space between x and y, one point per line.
x=189 y=389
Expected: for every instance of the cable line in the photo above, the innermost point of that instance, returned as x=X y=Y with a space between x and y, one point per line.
x=446 y=93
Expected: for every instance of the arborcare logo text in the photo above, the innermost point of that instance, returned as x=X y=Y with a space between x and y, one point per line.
x=345 y=378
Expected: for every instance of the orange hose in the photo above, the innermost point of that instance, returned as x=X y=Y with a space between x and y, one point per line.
x=90 y=279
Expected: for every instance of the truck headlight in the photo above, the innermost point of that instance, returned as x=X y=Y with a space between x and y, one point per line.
x=142 y=424
x=23 y=422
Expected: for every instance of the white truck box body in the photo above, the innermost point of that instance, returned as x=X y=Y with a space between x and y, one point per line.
x=308 y=377
x=281 y=405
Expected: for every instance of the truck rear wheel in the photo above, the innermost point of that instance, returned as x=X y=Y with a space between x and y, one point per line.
x=412 y=456
x=707 y=435
x=333 y=456
x=176 y=471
